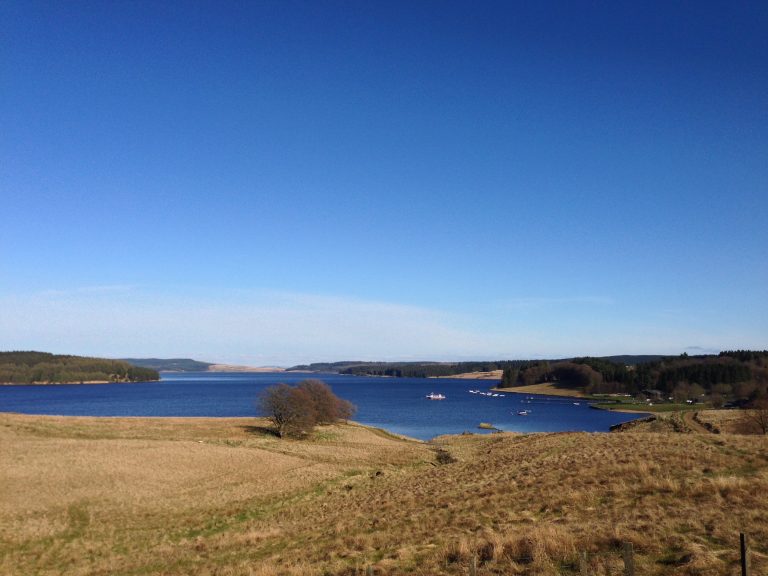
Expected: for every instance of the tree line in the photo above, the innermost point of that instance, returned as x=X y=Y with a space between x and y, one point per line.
x=739 y=374
x=426 y=370
x=431 y=369
x=46 y=368
x=730 y=374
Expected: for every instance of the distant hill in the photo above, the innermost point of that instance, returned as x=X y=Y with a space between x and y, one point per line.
x=170 y=364
x=189 y=365
x=46 y=368
x=397 y=369
x=426 y=369
x=354 y=365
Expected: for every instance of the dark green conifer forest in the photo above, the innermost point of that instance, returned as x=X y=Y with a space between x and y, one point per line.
x=45 y=368
x=731 y=375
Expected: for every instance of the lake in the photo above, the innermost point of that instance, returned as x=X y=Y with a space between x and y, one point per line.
x=395 y=404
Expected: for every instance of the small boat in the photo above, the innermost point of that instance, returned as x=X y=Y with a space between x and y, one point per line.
x=433 y=396
x=577 y=403
x=523 y=412
x=474 y=391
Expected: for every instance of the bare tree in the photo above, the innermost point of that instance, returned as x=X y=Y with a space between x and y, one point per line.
x=328 y=407
x=344 y=409
x=290 y=409
x=755 y=418
x=294 y=410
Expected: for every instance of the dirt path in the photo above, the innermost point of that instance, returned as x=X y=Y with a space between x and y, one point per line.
x=690 y=421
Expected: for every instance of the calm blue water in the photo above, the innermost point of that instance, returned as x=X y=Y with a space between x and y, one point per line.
x=396 y=404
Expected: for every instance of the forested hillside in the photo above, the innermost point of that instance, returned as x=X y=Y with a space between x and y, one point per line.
x=45 y=368
x=408 y=369
x=730 y=375
x=733 y=375
x=428 y=369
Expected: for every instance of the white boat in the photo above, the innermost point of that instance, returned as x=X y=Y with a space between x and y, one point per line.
x=523 y=412
x=433 y=396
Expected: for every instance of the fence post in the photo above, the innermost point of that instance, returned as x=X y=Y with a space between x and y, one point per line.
x=369 y=571
x=629 y=559
x=473 y=566
x=583 y=570
x=744 y=554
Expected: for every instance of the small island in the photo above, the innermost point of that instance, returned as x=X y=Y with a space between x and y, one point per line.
x=43 y=368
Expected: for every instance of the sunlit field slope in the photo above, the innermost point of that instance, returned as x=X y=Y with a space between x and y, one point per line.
x=223 y=496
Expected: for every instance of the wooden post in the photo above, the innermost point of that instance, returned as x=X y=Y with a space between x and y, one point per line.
x=473 y=566
x=744 y=554
x=583 y=570
x=629 y=559
x=369 y=571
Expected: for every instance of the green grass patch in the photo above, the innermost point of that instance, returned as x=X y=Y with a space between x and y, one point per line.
x=644 y=407
x=325 y=436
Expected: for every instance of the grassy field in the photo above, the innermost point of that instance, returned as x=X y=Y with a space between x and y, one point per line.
x=548 y=388
x=224 y=497
x=706 y=421
x=656 y=407
x=604 y=402
x=722 y=421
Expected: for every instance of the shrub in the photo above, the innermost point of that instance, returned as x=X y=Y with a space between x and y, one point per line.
x=444 y=457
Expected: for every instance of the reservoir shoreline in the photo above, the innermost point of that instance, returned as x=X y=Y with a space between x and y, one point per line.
x=397 y=405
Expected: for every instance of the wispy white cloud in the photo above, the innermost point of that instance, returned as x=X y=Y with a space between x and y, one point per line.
x=80 y=290
x=259 y=327
x=538 y=302
x=279 y=328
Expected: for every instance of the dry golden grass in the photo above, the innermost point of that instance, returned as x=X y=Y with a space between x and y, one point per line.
x=527 y=505
x=90 y=495
x=151 y=496
x=698 y=421
x=726 y=421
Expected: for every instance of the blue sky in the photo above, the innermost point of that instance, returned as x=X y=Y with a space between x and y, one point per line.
x=282 y=182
